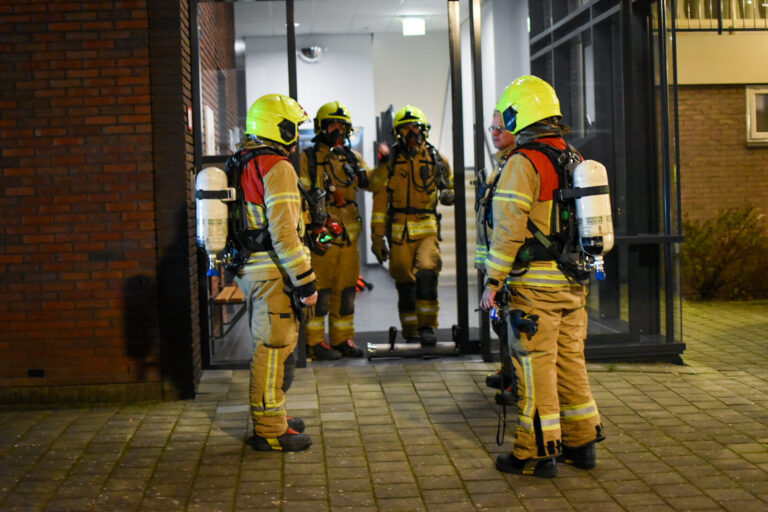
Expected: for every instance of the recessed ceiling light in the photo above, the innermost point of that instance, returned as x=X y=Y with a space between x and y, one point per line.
x=414 y=26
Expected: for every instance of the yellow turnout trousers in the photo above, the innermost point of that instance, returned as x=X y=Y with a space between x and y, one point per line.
x=556 y=404
x=415 y=266
x=275 y=332
x=336 y=271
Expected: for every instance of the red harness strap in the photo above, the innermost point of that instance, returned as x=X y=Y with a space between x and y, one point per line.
x=543 y=166
x=252 y=179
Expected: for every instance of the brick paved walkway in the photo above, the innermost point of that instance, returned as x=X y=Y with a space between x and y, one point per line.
x=415 y=436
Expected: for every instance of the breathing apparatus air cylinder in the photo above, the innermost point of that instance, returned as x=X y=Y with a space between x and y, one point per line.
x=212 y=213
x=593 y=213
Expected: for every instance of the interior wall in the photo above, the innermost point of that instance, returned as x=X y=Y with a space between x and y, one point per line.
x=346 y=74
x=413 y=70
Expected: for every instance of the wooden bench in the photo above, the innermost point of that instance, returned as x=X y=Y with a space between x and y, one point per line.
x=230 y=294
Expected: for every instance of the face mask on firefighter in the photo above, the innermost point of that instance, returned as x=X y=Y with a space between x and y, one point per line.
x=412 y=134
x=335 y=132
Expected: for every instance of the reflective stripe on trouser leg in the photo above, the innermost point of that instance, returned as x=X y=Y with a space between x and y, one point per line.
x=427 y=312
x=324 y=266
x=315 y=330
x=579 y=416
x=275 y=333
x=538 y=431
x=341 y=322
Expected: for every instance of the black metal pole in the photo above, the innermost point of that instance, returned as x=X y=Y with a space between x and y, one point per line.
x=460 y=212
x=669 y=304
x=677 y=119
x=475 y=33
x=293 y=89
x=293 y=92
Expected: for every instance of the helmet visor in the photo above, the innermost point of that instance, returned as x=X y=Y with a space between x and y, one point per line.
x=287 y=130
x=509 y=116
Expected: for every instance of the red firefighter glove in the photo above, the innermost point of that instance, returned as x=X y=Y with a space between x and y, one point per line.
x=379 y=248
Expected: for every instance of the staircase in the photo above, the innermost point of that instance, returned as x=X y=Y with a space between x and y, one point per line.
x=448 y=232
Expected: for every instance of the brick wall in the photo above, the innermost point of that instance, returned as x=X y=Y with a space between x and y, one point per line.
x=717 y=169
x=83 y=233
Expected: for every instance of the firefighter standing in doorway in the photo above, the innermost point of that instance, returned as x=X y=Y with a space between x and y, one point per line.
x=558 y=416
x=277 y=268
x=332 y=172
x=405 y=222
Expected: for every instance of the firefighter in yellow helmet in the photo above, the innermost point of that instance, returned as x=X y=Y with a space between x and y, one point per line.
x=331 y=172
x=405 y=222
x=546 y=314
x=276 y=266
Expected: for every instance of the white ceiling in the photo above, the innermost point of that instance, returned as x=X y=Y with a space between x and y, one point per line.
x=267 y=18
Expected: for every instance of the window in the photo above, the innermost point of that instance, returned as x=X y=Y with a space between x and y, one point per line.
x=757 y=116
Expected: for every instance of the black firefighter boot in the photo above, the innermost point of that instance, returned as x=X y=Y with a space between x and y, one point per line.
x=494 y=380
x=542 y=468
x=290 y=441
x=583 y=457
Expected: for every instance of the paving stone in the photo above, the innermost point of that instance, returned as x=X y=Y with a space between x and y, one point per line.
x=394 y=490
x=386 y=455
x=401 y=505
x=344 y=485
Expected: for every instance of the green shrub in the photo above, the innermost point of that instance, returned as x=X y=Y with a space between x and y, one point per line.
x=726 y=257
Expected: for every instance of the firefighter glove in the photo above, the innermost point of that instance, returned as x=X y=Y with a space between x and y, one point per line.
x=522 y=322
x=379 y=248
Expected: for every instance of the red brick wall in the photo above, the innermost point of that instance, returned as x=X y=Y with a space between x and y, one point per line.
x=717 y=169
x=80 y=245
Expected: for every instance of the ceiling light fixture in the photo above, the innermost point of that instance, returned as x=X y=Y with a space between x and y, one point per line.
x=414 y=26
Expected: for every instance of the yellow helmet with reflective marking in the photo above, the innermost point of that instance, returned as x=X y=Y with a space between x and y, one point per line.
x=333 y=111
x=275 y=117
x=526 y=100
x=410 y=114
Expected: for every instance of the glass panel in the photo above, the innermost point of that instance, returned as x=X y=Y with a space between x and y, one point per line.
x=235 y=55
x=221 y=96
x=608 y=303
x=631 y=128
x=668 y=162
x=260 y=32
